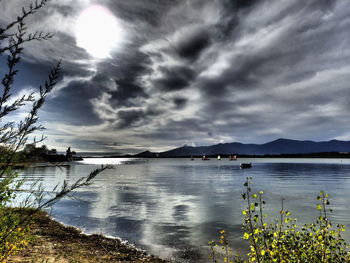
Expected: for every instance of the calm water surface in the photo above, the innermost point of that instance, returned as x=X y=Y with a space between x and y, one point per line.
x=173 y=207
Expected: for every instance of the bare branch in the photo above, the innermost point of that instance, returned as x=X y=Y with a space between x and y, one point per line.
x=32 y=9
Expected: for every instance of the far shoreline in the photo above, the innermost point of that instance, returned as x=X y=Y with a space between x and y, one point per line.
x=325 y=155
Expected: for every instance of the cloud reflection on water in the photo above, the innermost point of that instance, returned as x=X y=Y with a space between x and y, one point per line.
x=173 y=207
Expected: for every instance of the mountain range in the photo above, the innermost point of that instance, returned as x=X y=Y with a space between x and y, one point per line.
x=276 y=147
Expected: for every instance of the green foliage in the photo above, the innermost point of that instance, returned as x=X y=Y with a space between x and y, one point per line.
x=13 y=234
x=286 y=241
x=14 y=134
x=226 y=253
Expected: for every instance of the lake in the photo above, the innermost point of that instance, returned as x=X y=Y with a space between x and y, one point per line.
x=173 y=207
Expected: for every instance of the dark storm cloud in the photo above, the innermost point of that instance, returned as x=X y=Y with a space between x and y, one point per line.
x=249 y=68
x=127 y=89
x=142 y=12
x=180 y=102
x=73 y=104
x=119 y=81
x=228 y=26
x=174 y=78
x=125 y=72
x=200 y=71
x=129 y=118
x=243 y=4
x=121 y=89
x=302 y=44
x=193 y=46
x=136 y=118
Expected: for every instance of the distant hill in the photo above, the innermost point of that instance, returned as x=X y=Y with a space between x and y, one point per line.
x=147 y=154
x=277 y=147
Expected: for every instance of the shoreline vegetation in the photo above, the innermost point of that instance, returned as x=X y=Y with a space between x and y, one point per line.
x=53 y=242
x=33 y=154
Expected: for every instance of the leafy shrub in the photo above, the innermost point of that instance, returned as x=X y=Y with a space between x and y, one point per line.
x=15 y=134
x=284 y=240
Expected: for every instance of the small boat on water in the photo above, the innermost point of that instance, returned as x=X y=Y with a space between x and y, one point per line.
x=192 y=158
x=245 y=165
x=233 y=158
x=205 y=158
x=219 y=158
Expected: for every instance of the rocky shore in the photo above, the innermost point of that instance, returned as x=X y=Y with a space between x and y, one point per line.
x=53 y=242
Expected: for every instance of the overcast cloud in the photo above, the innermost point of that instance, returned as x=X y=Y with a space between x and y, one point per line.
x=194 y=72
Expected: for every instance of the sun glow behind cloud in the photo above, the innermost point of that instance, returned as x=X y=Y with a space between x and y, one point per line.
x=173 y=65
x=98 y=31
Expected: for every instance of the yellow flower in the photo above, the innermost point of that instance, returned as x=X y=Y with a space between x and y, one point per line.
x=246 y=236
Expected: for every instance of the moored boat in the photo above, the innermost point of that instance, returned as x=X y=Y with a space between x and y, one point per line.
x=233 y=158
x=246 y=165
x=205 y=158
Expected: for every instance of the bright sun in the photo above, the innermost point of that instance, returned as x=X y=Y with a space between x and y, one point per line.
x=97 y=31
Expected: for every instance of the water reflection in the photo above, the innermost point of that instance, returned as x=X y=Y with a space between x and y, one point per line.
x=173 y=207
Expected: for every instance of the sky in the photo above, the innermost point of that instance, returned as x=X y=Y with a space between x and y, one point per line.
x=158 y=74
